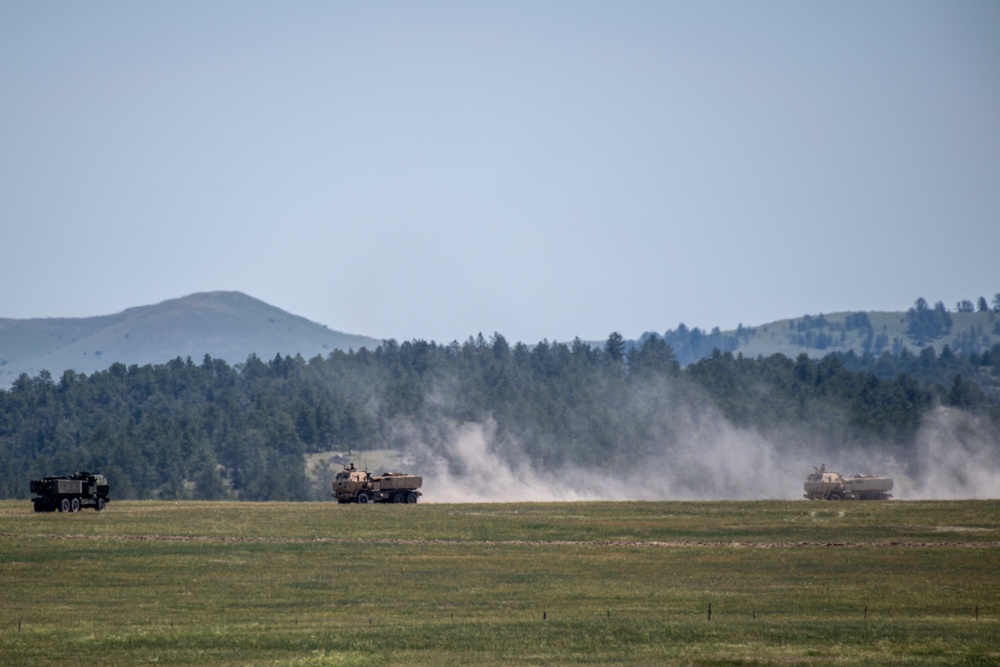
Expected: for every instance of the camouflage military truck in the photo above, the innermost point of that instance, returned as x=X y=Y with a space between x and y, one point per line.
x=70 y=494
x=359 y=486
x=823 y=485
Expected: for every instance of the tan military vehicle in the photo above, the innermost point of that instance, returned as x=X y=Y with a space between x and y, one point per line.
x=359 y=486
x=823 y=485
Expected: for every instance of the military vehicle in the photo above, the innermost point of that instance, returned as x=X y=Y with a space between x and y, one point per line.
x=823 y=485
x=70 y=494
x=359 y=486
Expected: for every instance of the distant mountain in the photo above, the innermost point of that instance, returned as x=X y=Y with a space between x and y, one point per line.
x=224 y=325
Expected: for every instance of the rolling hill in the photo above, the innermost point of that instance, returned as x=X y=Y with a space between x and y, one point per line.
x=887 y=331
x=224 y=325
x=862 y=332
x=232 y=325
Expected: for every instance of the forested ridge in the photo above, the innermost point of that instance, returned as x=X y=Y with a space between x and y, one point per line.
x=210 y=430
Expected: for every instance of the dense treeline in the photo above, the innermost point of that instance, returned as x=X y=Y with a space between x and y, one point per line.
x=211 y=430
x=972 y=380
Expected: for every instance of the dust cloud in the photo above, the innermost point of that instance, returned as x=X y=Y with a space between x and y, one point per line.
x=954 y=457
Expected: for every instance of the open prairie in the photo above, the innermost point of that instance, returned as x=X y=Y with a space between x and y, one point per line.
x=224 y=583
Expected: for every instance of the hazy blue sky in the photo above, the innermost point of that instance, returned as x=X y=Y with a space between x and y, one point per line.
x=542 y=169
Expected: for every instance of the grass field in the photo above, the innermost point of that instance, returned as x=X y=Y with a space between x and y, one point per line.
x=789 y=583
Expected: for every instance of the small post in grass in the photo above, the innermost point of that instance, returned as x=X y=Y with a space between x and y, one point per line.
x=866 y=612
x=709 y=612
x=977 y=616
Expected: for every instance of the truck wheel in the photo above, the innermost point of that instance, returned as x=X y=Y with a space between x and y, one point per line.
x=75 y=504
x=399 y=498
x=100 y=505
x=363 y=498
x=411 y=498
x=64 y=506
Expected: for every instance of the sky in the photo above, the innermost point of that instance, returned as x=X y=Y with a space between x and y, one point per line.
x=544 y=170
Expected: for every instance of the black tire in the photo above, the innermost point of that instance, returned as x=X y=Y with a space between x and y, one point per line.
x=363 y=498
x=399 y=497
x=64 y=505
x=75 y=504
x=411 y=498
x=100 y=504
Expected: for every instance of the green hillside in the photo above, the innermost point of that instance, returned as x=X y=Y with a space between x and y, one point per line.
x=822 y=334
x=964 y=331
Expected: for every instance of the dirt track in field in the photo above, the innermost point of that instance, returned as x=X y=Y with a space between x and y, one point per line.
x=529 y=543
